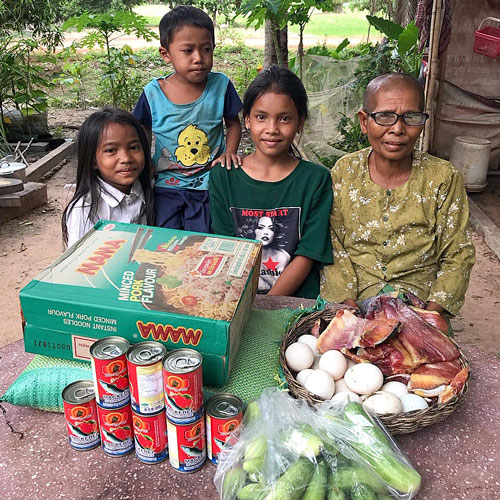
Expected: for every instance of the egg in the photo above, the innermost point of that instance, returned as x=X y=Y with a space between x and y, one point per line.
x=383 y=403
x=299 y=356
x=315 y=364
x=311 y=341
x=302 y=376
x=364 y=378
x=334 y=363
x=342 y=398
x=412 y=402
x=397 y=388
x=321 y=384
x=340 y=386
x=350 y=363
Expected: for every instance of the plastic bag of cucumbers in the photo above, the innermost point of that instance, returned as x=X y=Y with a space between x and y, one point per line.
x=287 y=450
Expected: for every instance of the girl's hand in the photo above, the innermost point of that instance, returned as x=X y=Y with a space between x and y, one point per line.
x=226 y=159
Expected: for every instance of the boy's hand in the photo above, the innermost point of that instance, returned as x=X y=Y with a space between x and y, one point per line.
x=226 y=159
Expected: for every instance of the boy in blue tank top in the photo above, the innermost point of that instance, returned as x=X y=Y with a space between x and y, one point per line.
x=185 y=111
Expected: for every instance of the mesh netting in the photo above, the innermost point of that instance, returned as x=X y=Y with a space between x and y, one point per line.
x=329 y=85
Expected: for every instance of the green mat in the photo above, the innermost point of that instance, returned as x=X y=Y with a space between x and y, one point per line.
x=256 y=366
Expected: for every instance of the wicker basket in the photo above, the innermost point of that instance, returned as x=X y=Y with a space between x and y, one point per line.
x=487 y=39
x=395 y=424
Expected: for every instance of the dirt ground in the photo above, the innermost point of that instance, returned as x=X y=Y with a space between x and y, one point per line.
x=31 y=242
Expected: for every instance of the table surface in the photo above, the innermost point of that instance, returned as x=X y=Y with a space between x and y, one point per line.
x=457 y=458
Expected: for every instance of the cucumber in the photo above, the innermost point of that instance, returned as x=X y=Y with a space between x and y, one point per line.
x=336 y=494
x=319 y=483
x=361 y=491
x=251 y=413
x=256 y=448
x=234 y=479
x=292 y=484
x=374 y=447
x=347 y=477
x=355 y=414
x=254 y=465
x=252 y=491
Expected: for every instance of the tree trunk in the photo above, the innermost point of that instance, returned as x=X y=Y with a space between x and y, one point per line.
x=272 y=37
x=300 y=49
x=405 y=11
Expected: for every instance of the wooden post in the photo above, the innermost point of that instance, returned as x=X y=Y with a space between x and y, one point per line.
x=430 y=82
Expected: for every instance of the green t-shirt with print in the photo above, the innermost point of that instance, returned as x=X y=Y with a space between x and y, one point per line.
x=290 y=217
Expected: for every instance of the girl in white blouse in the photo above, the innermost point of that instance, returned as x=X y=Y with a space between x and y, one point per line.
x=112 y=179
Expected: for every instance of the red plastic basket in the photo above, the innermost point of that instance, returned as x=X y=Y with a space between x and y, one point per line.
x=487 y=39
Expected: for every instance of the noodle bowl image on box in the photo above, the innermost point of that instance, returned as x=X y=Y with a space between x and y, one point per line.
x=179 y=288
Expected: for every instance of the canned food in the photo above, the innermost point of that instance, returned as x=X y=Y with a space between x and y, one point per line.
x=183 y=384
x=81 y=415
x=150 y=435
x=224 y=413
x=117 y=437
x=187 y=445
x=145 y=376
x=109 y=365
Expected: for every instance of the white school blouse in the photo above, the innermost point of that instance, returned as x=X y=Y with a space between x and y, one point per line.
x=113 y=205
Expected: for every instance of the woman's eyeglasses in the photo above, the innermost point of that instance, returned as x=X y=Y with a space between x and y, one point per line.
x=413 y=119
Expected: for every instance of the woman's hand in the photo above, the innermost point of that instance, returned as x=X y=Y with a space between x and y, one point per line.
x=434 y=306
x=351 y=303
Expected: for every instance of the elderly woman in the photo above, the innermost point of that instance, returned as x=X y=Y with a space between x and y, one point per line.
x=399 y=217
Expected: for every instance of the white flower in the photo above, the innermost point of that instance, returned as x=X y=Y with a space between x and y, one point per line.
x=441 y=295
x=401 y=240
x=373 y=224
x=365 y=235
x=453 y=207
x=353 y=194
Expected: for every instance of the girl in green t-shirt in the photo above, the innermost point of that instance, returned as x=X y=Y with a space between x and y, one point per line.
x=276 y=197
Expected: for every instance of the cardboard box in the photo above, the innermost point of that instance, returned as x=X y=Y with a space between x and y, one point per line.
x=180 y=288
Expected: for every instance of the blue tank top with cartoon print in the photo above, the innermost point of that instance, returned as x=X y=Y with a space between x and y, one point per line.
x=188 y=136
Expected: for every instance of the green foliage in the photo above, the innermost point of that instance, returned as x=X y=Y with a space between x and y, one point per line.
x=385 y=7
x=240 y=63
x=71 y=8
x=352 y=140
x=36 y=18
x=26 y=28
x=404 y=41
x=117 y=77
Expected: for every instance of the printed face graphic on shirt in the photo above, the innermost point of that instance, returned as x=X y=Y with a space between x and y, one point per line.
x=265 y=230
x=193 y=147
x=279 y=231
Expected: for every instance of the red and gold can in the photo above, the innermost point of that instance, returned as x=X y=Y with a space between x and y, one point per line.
x=187 y=445
x=117 y=436
x=109 y=365
x=183 y=385
x=144 y=361
x=81 y=415
x=224 y=413
x=150 y=435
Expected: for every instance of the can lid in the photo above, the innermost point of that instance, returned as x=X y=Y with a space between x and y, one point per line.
x=77 y=392
x=146 y=353
x=224 y=406
x=109 y=347
x=182 y=361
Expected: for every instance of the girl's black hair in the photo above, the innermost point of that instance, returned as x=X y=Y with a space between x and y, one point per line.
x=281 y=81
x=87 y=175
